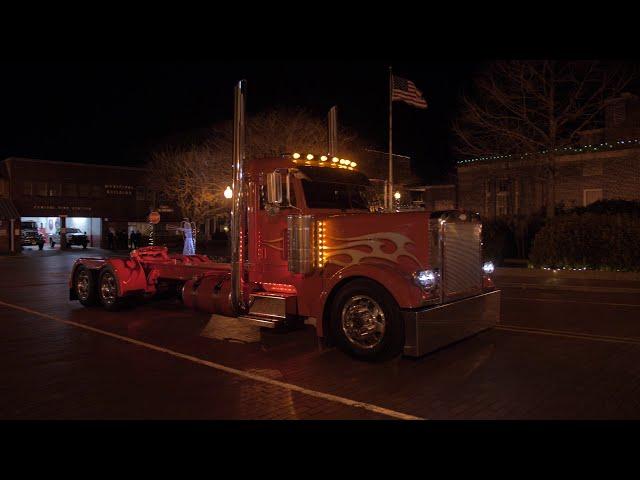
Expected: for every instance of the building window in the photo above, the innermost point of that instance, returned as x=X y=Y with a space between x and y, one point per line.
x=502 y=203
x=591 y=169
x=55 y=189
x=97 y=191
x=616 y=113
x=28 y=188
x=140 y=193
x=40 y=189
x=591 y=195
x=69 y=190
x=487 y=198
x=84 y=190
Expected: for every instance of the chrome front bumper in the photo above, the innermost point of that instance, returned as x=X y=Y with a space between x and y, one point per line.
x=435 y=327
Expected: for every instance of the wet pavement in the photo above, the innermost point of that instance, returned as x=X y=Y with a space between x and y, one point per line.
x=560 y=353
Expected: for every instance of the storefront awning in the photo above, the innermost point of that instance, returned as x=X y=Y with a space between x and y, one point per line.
x=8 y=210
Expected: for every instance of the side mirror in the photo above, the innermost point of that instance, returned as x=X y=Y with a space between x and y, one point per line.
x=274 y=188
x=278 y=190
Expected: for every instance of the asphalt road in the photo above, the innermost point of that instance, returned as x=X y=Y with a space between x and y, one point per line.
x=563 y=351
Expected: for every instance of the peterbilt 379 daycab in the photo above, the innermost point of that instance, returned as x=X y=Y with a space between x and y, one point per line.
x=307 y=247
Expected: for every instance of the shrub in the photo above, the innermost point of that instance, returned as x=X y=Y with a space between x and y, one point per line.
x=509 y=237
x=590 y=237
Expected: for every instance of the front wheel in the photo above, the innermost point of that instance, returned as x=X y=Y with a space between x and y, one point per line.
x=40 y=246
x=84 y=246
x=52 y=243
x=108 y=290
x=366 y=321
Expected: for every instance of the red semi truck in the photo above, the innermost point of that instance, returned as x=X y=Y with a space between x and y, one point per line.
x=308 y=247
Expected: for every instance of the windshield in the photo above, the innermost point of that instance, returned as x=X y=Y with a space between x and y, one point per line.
x=335 y=188
x=28 y=225
x=73 y=230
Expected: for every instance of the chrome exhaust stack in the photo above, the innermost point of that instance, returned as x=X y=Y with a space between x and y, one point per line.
x=238 y=210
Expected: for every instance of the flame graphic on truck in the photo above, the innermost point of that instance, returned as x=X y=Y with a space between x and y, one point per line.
x=374 y=243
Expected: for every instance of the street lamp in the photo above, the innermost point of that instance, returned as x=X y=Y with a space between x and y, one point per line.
x=228 y=193
x=397 y=195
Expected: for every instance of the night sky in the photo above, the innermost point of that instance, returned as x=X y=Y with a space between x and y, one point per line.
x=115 y=112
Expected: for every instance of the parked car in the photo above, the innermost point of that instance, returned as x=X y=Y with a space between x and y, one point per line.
x=29 y=235
x=74 y=237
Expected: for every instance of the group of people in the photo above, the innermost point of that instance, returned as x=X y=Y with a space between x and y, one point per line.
x=119 y=240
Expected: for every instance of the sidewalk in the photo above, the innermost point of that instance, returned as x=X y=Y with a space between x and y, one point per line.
x=581 y=281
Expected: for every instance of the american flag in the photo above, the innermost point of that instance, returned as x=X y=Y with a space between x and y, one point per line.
x=406 y=91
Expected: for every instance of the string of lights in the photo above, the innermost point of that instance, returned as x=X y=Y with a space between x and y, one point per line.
x=562 y=151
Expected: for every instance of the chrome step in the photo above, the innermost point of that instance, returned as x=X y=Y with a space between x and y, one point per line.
x=275 y=306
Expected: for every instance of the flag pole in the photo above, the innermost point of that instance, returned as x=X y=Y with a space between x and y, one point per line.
x=389 y=193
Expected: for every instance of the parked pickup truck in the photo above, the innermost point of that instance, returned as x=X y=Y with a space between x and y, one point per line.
x=29 y=235
x=74 y=237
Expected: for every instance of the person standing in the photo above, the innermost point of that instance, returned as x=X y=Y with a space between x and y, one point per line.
x=187 y=233
x=133 y=239
x=111 y=234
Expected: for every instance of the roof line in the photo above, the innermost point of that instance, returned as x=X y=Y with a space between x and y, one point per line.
x=57 y=162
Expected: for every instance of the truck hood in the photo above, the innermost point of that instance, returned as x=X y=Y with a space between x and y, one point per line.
x=399 y=240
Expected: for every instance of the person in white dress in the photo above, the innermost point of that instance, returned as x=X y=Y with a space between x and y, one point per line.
x=187 y=232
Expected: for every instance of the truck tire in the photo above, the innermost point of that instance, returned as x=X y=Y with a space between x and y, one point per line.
x=84 y=284
x=366 y=322
x=40 y=246
x=108 y=290
x=52 y=243
x=84 y=246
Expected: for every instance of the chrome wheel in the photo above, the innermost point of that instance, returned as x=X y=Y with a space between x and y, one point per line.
x=108 y=288
x=83 y=284
x=363 y=321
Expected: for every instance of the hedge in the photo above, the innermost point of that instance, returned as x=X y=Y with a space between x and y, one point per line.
x=585 y=238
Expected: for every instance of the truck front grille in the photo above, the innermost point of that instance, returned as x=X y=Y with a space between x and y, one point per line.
x=461 y=260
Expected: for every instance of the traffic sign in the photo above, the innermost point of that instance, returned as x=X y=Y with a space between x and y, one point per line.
x=154 y=217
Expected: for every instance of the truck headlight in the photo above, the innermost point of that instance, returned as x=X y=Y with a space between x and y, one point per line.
x=427 y=279
x=488 y=268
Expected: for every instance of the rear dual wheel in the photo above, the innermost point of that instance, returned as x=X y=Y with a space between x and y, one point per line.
x=108 y=290
x=85 y=286
x=92 y=288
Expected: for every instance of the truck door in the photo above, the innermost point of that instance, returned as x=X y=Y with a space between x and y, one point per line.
x=272 y=235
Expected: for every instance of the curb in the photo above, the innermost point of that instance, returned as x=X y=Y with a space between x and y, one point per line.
x=583 y=274
x=570 y=288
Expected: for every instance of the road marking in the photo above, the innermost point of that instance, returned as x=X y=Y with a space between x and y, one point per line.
x=567 y=334
x=569 y=288
x=25 y=285
x=572 y=301
x=234 y=371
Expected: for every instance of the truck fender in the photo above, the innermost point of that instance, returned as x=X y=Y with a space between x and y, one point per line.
x=400 y=286
x=130 y=276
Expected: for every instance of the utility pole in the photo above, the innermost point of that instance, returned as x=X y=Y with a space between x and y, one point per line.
x=389 y=192
x=333 y=131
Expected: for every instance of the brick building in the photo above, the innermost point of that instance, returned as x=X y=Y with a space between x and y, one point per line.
x=604 y=165
x=90 y=197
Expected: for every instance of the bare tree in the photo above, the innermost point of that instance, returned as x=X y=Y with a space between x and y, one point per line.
x=535 y=108
x=196 y=176
x=279 y=131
